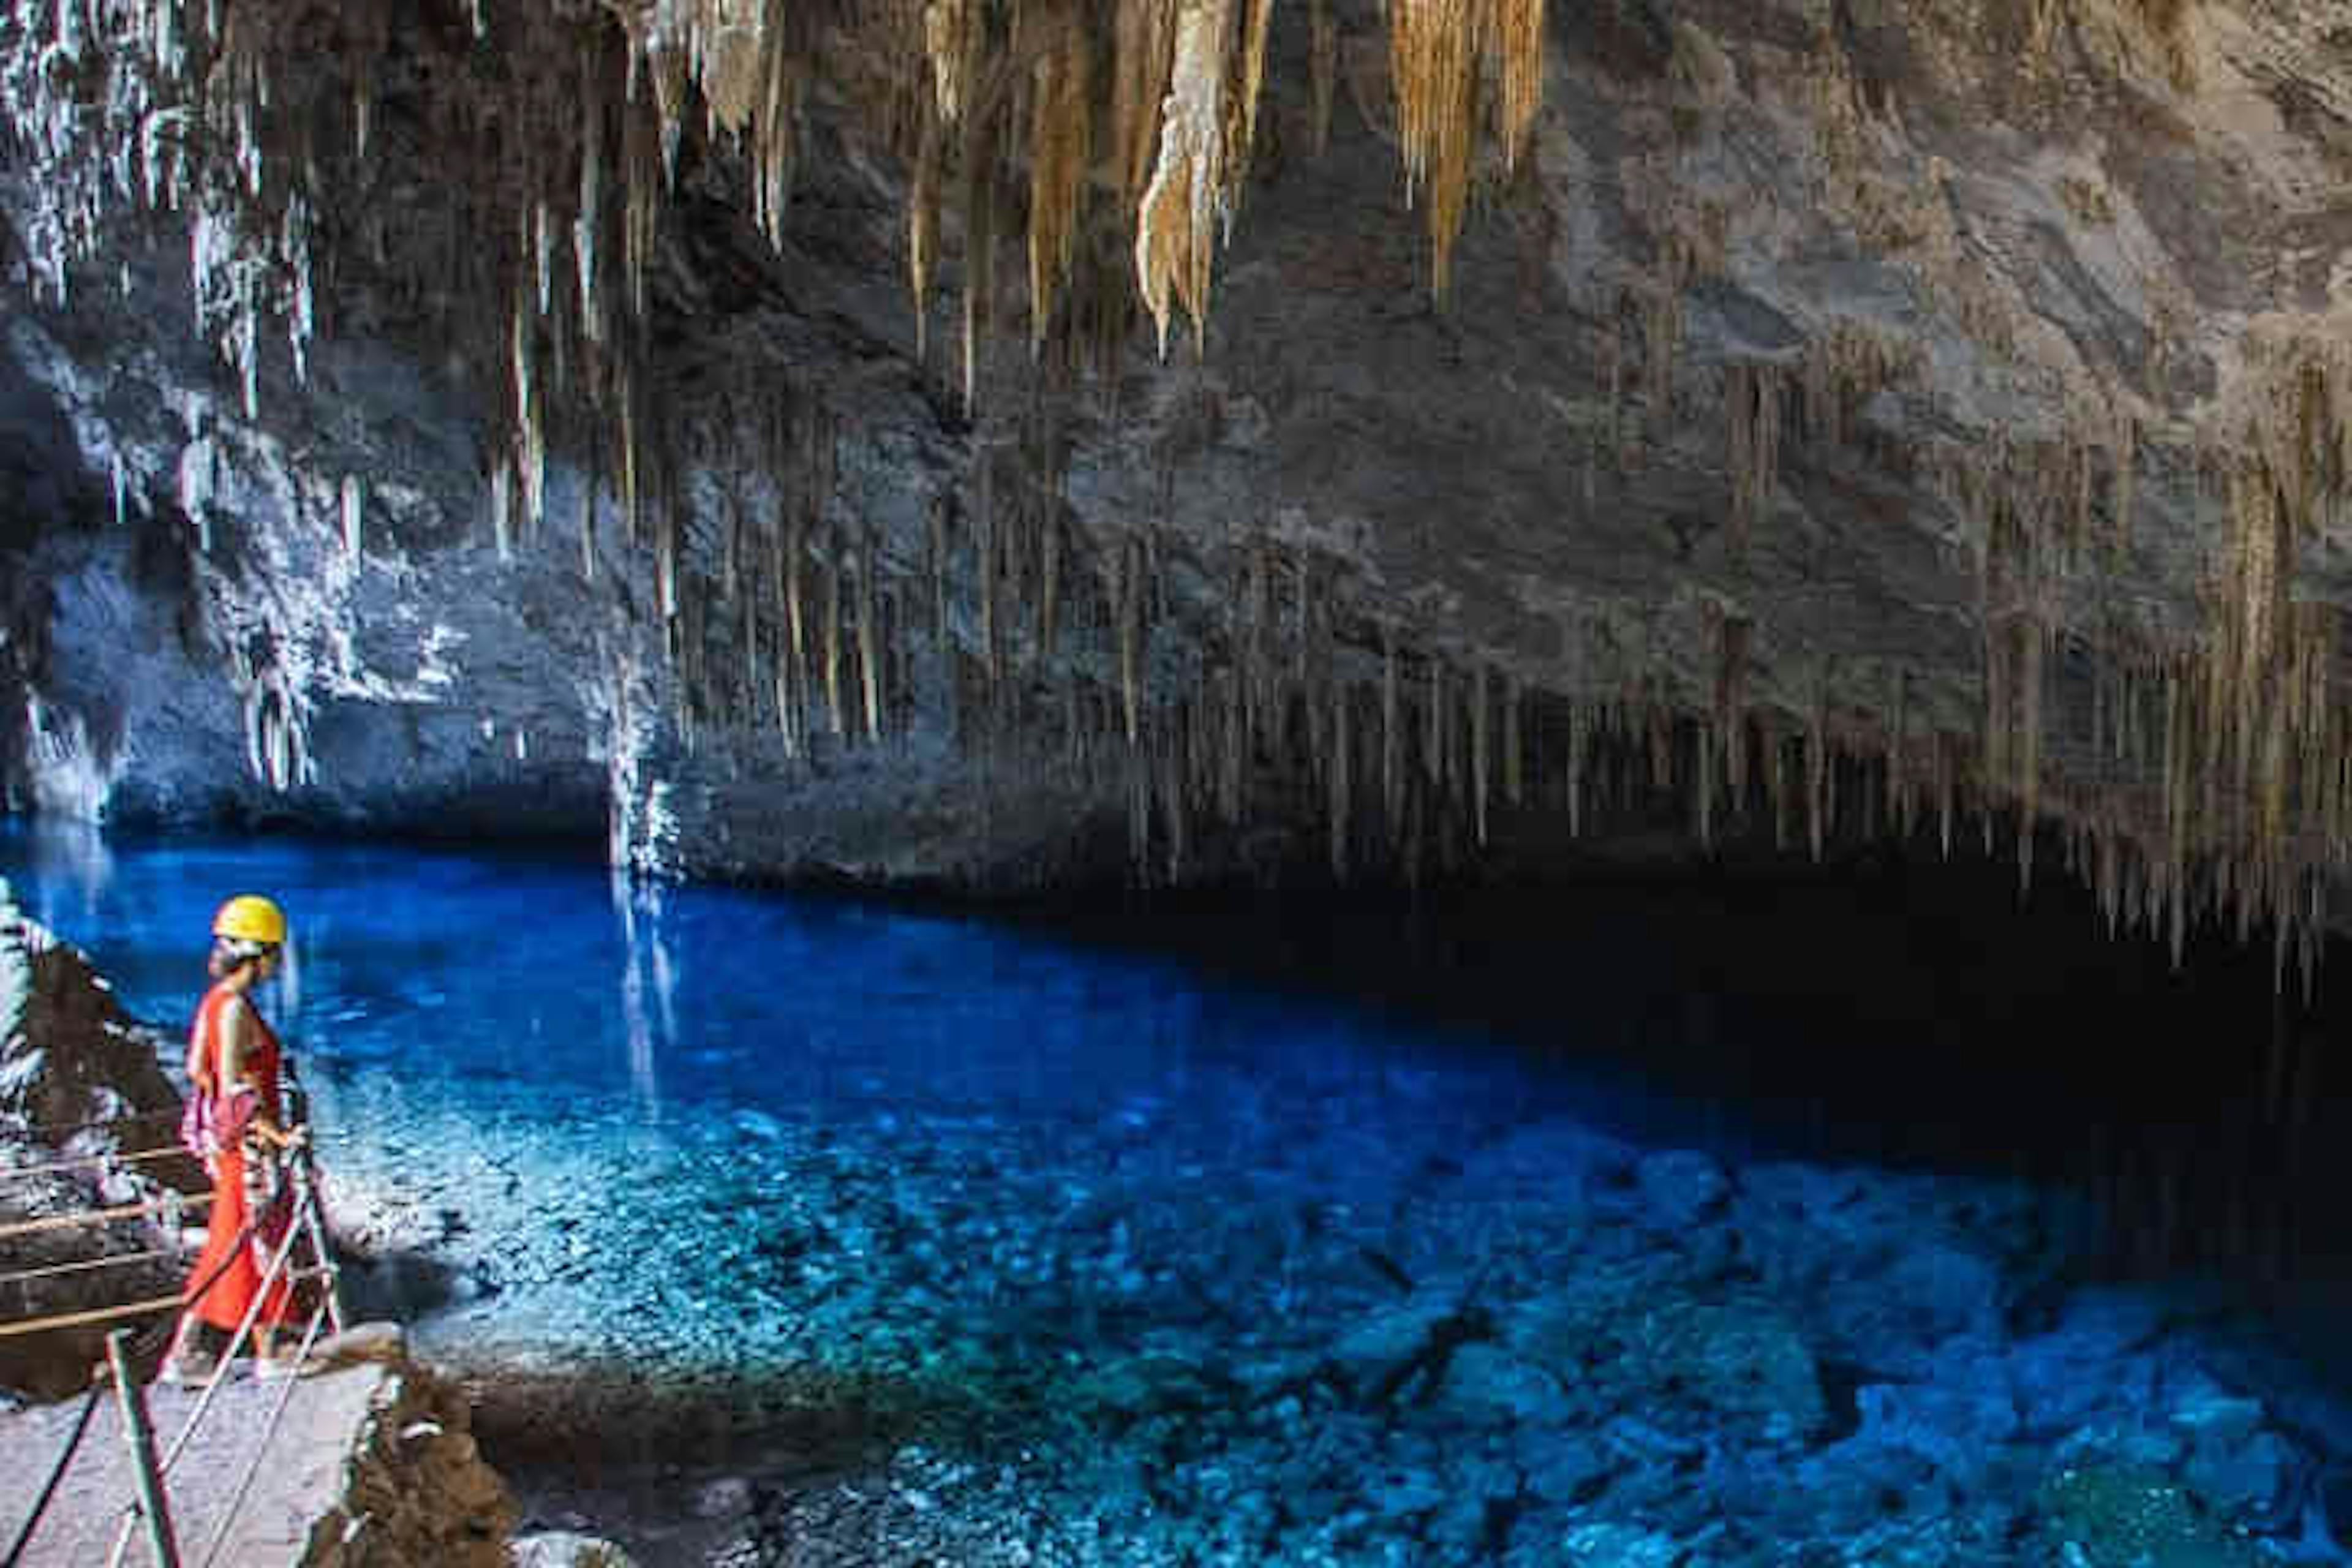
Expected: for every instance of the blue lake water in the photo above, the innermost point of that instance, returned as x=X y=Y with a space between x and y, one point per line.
x=458 y=971
x=1249 y=1273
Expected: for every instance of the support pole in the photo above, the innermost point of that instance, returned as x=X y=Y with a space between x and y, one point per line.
x=330 y=1275
x=141 y=1438
x=312 y=1215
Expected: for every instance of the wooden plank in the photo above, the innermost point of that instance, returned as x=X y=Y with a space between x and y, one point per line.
x=55 y=1167
x=111 y=1260
x=15 y=1229
x=96 y=1315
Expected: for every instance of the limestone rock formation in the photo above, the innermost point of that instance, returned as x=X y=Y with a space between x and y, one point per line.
x=72 y=1062
x=767 y=431
x=415 y=1486
x=80 y=1087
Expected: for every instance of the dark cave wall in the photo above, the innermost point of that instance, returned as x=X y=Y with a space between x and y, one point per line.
x=1538 y=510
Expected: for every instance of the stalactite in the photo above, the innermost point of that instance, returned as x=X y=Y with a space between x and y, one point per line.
x=922 y=232
x=1144 y=55
x=2029 y=749
x=2127 y=474
x=1307 y=645
x=979 y=271
x=1433 y=64
x=984 y=574
x=1433 y=745
x=1138 y=813
x=353 y=504
x=1256 y=594
x=1817 y=772
x=1613 y=381
x=1481 y=706
x=530 y=432
x=1776 y=787
x=937 y=548
x=590 y=213
x=667 y=553
x=1176 y=218
x=1662 y=329
x=502 y=508
x=1391 y=734
x=749 y=634
x=1702 y=787
x=1518 y=42
x=1899 y=771
x=1303 y=640
x=629 y=455
x=1946 y=767
x=829 y=585
x=1049 y=600
x=1241 y=110
x=1342 y=798
x=1734 y=636
x=1513 y=761
x=1060 y=151
x=1127 y=594
x=1578 y=741
x=1172 y=793
x=947 y=31
x=774 y=129
x=866 y=566
x=1657 y=735
x=1752 y=394
x=642 y=183
x=1323 y=56
x=1234 y=754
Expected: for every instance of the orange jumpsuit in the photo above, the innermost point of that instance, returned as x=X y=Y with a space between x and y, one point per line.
x=235 y=1199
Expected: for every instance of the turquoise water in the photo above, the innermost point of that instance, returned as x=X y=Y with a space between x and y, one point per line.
x=1163 y=1265
x=465 y=969
x=629 y=1049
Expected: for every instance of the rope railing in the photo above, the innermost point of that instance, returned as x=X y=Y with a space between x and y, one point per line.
x=268 y=1431
x=92 y=1315
x=85 y=1162
x=88 y=1265
x=57 y=1475
x=55 y=1132
x=304 y=1222
x=132 y=1512
x=84 y=1218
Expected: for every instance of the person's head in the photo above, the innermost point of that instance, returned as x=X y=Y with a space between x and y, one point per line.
x=247 y=930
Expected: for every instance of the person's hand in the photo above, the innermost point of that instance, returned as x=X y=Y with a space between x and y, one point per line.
x=294 y=1138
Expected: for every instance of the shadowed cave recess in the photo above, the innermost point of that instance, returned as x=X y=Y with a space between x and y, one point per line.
x=1813 y=530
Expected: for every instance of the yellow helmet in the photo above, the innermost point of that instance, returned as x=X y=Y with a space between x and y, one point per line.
x=250 y=917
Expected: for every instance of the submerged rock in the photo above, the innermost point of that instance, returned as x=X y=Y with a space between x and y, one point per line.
x=2134 y=1516
x=564 y=1549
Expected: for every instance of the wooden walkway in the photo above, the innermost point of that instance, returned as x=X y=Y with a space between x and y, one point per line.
x=300 y=1479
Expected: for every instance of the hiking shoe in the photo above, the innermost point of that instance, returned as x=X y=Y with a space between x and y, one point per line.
x=186 y=1372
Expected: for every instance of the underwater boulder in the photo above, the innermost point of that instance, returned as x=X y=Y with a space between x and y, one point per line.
x=2134 y=1516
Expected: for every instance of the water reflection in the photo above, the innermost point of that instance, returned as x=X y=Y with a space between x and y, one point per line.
x=71 y=863
x=644 y=955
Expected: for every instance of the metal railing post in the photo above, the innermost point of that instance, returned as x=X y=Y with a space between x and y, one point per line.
x=306 y=1178
x=141 y=1438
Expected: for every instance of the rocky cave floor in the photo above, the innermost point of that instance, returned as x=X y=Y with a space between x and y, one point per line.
x=742 y=1340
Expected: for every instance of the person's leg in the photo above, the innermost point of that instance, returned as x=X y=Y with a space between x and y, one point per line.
x=184 y=1362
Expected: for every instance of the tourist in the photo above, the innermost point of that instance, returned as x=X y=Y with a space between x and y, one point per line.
x=236 y=1121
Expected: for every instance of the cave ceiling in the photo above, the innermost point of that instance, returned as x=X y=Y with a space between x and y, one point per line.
x=988 y=443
